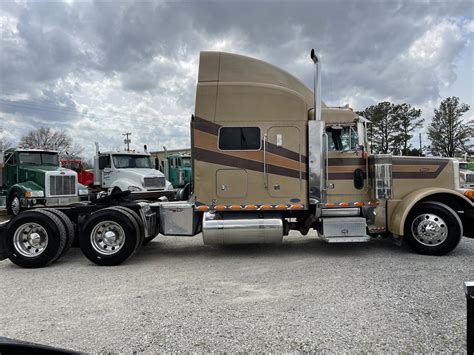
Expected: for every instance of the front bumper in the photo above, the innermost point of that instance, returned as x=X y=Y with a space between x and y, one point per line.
x=153 y=195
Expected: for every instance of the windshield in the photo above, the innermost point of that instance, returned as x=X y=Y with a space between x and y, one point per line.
x=74 y=166
x=132 y=161
x=37 y=158
x=186 y=162
x=342 y=138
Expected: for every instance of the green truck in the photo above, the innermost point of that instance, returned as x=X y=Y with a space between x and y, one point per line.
x=33 y=177
x=177 y=169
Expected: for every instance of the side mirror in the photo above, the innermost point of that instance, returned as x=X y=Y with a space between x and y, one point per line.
x=102 y=159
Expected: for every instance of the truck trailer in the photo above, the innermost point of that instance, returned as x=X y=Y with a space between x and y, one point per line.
x=268 y=156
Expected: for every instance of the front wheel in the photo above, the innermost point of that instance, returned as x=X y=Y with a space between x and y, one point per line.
x=432 y=228
x=14 y=206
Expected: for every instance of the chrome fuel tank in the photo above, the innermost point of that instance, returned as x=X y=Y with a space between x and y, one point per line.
x=244 y=228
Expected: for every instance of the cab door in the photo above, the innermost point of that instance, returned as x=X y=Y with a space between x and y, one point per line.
x=347 y=169
x=283 y=167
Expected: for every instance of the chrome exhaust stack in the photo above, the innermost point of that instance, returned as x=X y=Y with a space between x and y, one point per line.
x=317 y=142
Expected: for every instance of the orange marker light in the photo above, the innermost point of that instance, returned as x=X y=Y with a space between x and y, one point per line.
x=359 y=204
x=373 y=203
x=235 y=207
x=296 y=207
x=469 y=194
x=265 y=207
x=344 y=204
x=330 y=205
x=251 y=207
x=220 y=208
x=203 y=208
x=281 y=207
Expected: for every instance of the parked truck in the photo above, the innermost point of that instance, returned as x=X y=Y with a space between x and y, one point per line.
x=115 y=172
x=84 y=176
x=177 y=169
x=33 y=177
x=268 y=157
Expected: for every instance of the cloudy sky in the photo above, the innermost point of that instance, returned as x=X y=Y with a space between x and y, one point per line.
x=98 y=69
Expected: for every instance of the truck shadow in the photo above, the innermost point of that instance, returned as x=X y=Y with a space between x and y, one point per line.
x=303 y=247
x=291 y=248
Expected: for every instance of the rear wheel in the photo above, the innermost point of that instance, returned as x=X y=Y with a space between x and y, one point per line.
x=137 y=223
x=34 y=239
x=68 y=225
x=108 y=237
x=433 y=228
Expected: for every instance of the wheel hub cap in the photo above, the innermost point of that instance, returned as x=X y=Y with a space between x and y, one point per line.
x=429 y=229
x=30 y=240
x=107 y=237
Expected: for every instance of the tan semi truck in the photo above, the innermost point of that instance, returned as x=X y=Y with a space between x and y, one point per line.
x=269 y=157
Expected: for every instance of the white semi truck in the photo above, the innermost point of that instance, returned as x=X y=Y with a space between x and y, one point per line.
x=116 y=172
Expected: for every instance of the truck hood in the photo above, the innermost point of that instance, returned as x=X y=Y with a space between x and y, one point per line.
x=141 y=172
x=42 y=168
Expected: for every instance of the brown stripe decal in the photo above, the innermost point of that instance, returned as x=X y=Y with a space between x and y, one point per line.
x=213 y=128
x=422 y=168
x=346 y=161
x=205 y=126
x=228 y=160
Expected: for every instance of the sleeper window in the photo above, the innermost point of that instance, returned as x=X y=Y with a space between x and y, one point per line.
x=239 y=138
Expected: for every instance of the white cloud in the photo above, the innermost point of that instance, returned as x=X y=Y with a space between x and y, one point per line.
x=98 y=69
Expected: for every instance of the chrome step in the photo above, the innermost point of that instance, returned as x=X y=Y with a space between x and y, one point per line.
x=360 y=239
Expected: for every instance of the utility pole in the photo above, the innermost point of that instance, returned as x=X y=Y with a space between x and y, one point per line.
x=419 y=135
x=127 y=141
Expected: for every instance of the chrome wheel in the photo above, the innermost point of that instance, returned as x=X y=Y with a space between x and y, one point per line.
x=30 y=240
x=107 y=237
x=15 y=205
x=429 y=229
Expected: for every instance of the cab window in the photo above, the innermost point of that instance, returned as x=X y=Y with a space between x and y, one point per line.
x=342 y=138
x=239 y=138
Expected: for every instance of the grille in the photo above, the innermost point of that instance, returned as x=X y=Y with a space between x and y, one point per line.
x=62 y=185
x=469 y=178
x=154 y=182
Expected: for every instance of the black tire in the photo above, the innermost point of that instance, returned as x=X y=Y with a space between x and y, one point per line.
x=68 y=225
x=11 y=209
x=432 y=228
x=96 y=249
x=46 y=225
x=63 y=234
x=137 y=223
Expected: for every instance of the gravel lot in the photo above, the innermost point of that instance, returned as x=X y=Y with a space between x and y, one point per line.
x=178 y=295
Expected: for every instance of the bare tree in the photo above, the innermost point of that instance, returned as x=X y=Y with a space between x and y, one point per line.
x=48 y=138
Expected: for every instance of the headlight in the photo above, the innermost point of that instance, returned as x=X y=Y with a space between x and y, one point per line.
x=83 y=192
x=134 y=188
x=29 y=194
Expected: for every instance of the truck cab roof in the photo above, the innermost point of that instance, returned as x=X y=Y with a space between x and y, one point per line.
x=31 y=150
x=124 y=153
